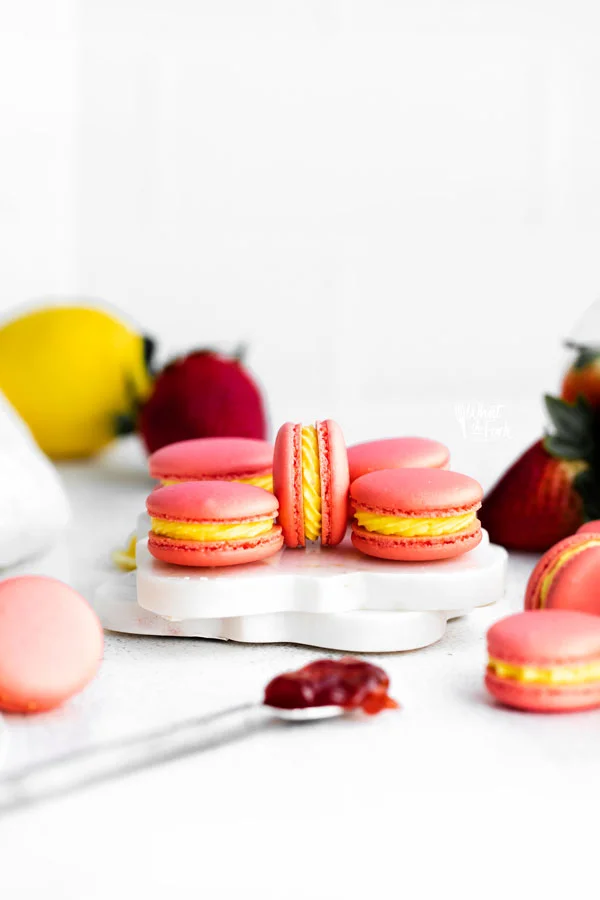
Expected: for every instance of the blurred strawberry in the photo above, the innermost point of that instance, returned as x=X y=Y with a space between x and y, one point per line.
x=552 y=488
x=583 y=377
x=203 y=394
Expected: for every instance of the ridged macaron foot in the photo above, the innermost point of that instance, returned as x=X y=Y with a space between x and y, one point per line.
x=396 y=453
x=311 y=480
x=567 y=576
x=415 y=514
x=51 y=643
x=212 y=523
x=545 y=661
x=215 y=459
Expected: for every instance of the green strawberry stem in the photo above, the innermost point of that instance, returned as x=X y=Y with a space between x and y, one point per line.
x=576 y=439
x=149 y=351
x=573 y=436
x=125 y=423
x=586 y=354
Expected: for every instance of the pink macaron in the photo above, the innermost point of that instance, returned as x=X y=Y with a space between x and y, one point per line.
x=215 y=459
x=592 y=527
x=415 y=514
x=212 y=523
x=567 y=576
x=51 y=643
x=310 y=477
x=545 y=661
x=397 y=453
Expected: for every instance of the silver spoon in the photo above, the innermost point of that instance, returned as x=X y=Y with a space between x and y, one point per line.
x=67 y=773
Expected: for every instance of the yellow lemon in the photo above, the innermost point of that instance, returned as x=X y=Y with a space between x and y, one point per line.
x=73 y=373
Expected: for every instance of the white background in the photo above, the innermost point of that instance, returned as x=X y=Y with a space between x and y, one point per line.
x=394 y=204
x=397 y=205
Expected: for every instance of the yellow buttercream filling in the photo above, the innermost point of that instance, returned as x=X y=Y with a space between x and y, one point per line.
x=564 y=557
x=311 y=483
x=211 y=531
x=538 y=675
x=125 y=559
x=262 y=481
x=412 y=526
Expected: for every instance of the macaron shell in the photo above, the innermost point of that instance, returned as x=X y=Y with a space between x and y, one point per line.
x=546 y=638
x=592 y=527
x=417 y=549
x=335 y=482
x=569 y=584
x=416 y=492
x=51 y=643
x=211 y=458
x=217 y=553
x=539 y=698
x=211 y=501
x=287 y=483
x=396 y=453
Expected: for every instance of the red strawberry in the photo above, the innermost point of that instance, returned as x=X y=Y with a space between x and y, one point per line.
x=583 y=377
x=202 y=395
x=550 y=490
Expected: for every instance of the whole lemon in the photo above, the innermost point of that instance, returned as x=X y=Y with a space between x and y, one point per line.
x=73 y=373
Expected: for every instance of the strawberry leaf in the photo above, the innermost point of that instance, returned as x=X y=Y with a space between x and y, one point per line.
x=240 y=353
x=124 y=424
x=573 y=429
x=586 y=485
x=569 y=418
x=149 y=351
x=562 y=448
x=586 y=356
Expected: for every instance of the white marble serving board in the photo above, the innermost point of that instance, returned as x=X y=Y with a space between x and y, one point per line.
x=333 y=598
x=358 y=632
x=320 y=580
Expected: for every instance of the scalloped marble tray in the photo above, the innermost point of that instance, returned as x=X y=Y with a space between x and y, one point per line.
x=357 y=632
x=316 y=580
x=334 y=598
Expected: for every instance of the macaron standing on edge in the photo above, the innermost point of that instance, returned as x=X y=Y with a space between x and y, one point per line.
x=396 y=453
x=415 y=514
x=212 y=523
x=216 y=459
x=545 y=661
x=311 y=480
x=51 y=643
x=567 y=576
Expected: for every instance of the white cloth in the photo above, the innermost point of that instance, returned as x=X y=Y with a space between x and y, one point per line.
x=33 y=505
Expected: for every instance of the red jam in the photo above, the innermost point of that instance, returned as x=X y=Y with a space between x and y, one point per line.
x=349 y=683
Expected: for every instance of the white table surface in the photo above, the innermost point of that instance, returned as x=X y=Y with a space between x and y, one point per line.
x=425 y=800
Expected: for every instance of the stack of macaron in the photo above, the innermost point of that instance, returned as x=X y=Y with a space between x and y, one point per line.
x=547 y=659
x=215 y=506
x=242 y=460
x=224 y=501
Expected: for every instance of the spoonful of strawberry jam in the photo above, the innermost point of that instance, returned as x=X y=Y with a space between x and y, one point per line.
x=345 y=684
x=322 y=689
